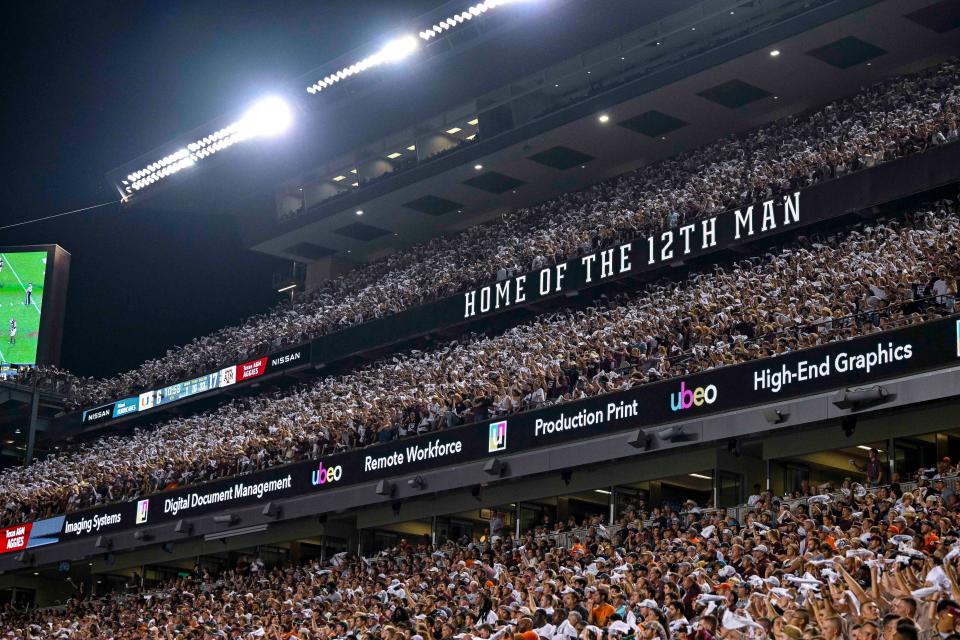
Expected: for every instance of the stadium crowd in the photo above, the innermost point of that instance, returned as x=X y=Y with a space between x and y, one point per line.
x=818 y=290
x=850 y=564
x=896 y=118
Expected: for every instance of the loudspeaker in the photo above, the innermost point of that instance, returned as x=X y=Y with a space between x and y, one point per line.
x=385 y=488
x=494 y=467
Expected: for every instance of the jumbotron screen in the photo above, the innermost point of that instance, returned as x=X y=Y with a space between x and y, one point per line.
x=22 y=277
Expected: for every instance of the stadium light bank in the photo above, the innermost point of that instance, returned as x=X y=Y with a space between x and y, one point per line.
x=401 y=48
x=268 y=117
x=272 y=115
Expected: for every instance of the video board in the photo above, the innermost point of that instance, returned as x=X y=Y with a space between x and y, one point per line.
x=32 y=296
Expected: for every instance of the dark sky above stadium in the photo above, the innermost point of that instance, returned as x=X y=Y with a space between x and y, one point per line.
x=90 y=85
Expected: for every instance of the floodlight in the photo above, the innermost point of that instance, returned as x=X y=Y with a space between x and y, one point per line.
x=462 y=17
x=268 y=117
x=398 y=49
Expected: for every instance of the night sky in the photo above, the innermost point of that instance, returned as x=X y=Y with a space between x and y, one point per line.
x=89 y=86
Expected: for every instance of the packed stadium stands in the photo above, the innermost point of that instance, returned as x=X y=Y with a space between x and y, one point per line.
x=226 y=516
x=847 y=561
x=822 y=289
x=899 y=117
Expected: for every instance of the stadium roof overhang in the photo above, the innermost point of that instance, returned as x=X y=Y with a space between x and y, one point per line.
x=826 y=53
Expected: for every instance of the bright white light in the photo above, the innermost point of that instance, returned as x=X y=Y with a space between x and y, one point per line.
x=478 y=167
x=463 y=17
x=604 y=119
x=269 y=117
x=402 y=47
x=775 y=53
x=866 y=448
x=701 y=476
x=397 y=50
x=603 y=491
x=394 y=51
x=359 y=212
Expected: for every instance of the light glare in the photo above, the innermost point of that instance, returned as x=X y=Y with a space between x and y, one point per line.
x=268 y=117
x=397 y=50
x=393 y=51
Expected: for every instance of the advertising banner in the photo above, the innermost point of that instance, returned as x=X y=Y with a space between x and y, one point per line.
x=281 y=361
x=123 y=407
x=98 y=414
x=834 y=366
x=46 y=531
x=15 y=538
x=252 y=369
x=289 y=359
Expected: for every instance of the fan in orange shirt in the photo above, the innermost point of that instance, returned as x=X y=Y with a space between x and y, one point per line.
x=600 y=609
x=577 y=548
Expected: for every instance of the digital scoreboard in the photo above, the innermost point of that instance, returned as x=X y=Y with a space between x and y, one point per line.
x=33 y=289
